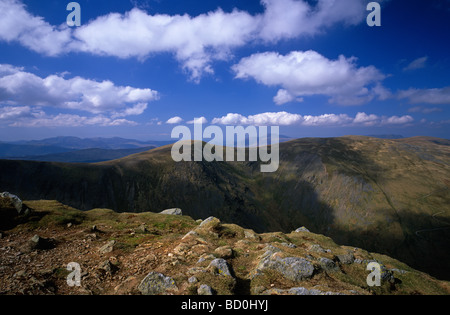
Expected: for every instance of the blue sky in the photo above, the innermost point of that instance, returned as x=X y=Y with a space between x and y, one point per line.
x=138 y=68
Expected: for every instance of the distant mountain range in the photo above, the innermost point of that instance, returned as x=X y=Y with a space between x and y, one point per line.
x=85 y=155
x=75 y=150
x=75 y=143
x=383 y=195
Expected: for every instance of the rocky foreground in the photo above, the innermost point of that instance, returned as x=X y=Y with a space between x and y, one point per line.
x=167 y=253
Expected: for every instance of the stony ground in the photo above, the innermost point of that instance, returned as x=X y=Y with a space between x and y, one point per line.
x=152 y=253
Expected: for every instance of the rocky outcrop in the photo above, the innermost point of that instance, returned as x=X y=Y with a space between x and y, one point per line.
x=156 y=283
x=108 y=247
x=292 y=268
x=13 y=200
x=302 y=229
x=177 y=255
x=12 y=210
x=346 y=259
x=328 y=265
x=175 y=211
x=220 y=267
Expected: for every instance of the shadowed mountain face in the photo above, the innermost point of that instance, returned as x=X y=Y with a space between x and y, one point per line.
x=387 y=196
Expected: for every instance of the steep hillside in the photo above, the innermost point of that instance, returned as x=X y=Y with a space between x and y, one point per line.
x=150 y=253
x=387 y=196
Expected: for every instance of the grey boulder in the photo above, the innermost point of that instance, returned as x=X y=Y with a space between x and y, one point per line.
x=174 y=211
x=292 y=268
x=156 y=284
x=221 y=267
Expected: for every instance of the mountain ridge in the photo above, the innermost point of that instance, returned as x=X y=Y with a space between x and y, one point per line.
x=361 y=191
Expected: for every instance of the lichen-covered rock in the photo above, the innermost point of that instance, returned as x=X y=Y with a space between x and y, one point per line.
x=211 y=221
x=156 y=284
x=209 y=227
x=386 y=274
x=108 y=247
x=221 y=267
x=302 y=229
x=346 y=259
x=269 y=251
x=328 y=265
x=292 y=268
x=251 y=235
x=174 y=211
x=316 y=248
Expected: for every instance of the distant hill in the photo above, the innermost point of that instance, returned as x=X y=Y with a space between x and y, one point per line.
x=76 y=143
x=73 y=149
x=424 y=140
x=86 y=155
x=8 y=150
x=387 y=196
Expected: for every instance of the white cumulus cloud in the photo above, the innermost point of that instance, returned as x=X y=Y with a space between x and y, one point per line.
x=284 y=19
x=174 y=120
x=284 y=97
x=289 y=119
x=200 y=120
x=18 y=25
x=18 y=87
x=24 y=97
x=309 y=73
x=264 y=119
x=195 y=41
